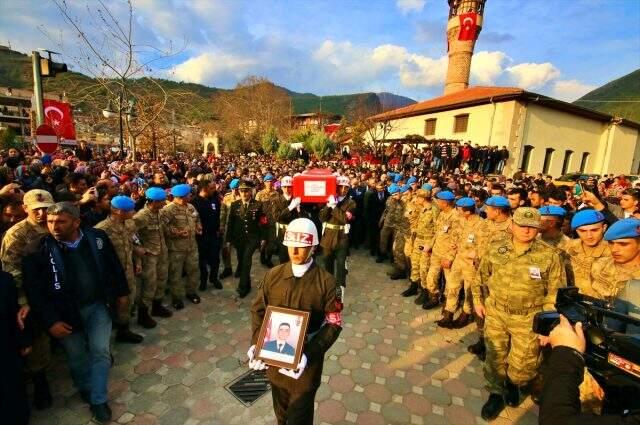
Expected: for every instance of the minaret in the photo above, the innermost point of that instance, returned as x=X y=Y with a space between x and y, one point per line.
x=463 y=28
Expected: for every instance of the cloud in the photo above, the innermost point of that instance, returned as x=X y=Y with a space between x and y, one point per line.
x=210 y=68
x=497 y=37
x=407 y=6
x=422 y=71
x=486 y=67
x=570 y=90
x=533 y=75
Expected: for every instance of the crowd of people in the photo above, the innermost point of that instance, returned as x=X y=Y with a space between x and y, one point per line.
x=89 y=240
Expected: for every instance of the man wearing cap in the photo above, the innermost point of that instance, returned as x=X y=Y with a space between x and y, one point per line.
x=269 y=198
x=155 y=261
x=552 y=218
x=288 y=209
x=401 y=234
x=122 y=233
x=444 y=250
x=229 y=198
x=21 y=240
x=389 y=221
x=518 y=277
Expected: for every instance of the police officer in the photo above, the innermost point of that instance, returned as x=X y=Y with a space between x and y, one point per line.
x=246 y=231
x=155 y=262
x=207 y=204
x=182 y=225
x=299 y=284
x=269 y=197
x=519 y=277
x=389 y=221
x=122 y=233
x=229 y=198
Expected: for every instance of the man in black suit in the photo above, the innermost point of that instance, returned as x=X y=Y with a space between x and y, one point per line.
x=374 y=202
x=358 y=231
x=246 y=229
x=207 y=203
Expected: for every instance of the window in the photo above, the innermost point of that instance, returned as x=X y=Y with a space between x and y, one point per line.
x=566 y=162
x=430 y=127
x=583 y=161
x=548 y=153
x=460 y=123
x=526 y=156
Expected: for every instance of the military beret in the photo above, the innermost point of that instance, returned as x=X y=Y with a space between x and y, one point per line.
x=404 y=188
x=623 y=229
x=181 y=190
x=527 y=217
x=268 y=178
x=552 y=210
x=422 y=193
x=465 y=202
x=498 y=202
x=412 y=180
x=393 y=189
x=234 y=184
x=397 y=177
x=445 y=195
x=586 y=217
x=155 y=194
x=123 y=203
x=426 y=186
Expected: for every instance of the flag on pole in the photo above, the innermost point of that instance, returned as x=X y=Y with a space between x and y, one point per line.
x=468 y=26
x=59 y=115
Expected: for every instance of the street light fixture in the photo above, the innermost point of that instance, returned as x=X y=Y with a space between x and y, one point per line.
x=109 y=112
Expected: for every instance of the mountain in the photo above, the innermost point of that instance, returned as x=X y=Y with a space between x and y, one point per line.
x=391 y=101
x=624 y=88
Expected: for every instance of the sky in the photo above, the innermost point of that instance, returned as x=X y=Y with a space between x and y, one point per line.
x=562 y=48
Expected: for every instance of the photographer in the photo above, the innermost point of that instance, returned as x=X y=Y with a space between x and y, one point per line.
x=560 y=402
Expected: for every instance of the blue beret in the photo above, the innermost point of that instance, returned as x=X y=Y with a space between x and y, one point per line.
x=552 y=210
x=623 y=229
x=235 y=183
x=498 y=202
x=123 y=203
x=396 y=178
x=181 y=190
x=427 y=186
x=155 y=194
x=412 y=180
x=585 y=217
x=445 y=195
x=268 y=178
x=404 y=188
x=394 y=188
x=465 y=202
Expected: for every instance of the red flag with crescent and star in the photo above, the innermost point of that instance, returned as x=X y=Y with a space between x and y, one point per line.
x=468 y=26
x=59 y=115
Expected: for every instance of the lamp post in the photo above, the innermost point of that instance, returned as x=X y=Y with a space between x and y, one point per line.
x=109 y=112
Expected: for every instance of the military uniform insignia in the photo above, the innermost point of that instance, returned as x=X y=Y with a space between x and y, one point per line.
x=502 y=250
x=528 y=214
x=99 y=243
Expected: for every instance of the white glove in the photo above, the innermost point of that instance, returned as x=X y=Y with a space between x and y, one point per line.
x=255 y=364
x=295 y=374
x=332 y=201
x=295 y=203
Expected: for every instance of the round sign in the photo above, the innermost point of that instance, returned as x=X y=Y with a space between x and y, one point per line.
x=46 y=139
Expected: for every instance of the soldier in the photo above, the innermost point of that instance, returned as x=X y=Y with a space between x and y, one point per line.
x=155 y=262
x=471 y=231
x=182 y=224
x=227 y=200
x=300 y=284
x=21 y=240
x=518 y=278
x=389 y=221
x=288 y=209
x=401 y=234
x=121 y=230
x=269 y=198
x=443 y=251
x=246 y=228
x=207 y=204
x=551 y=230
x=335 y=218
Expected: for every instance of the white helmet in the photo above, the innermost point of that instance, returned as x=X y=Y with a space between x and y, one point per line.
x=286 y=181
x=301 y=233
x=343 y=181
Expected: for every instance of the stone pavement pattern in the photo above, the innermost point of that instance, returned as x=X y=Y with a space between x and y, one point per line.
x=391 y=365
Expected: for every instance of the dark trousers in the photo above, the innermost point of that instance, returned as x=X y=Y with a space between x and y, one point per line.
x=373 y=237
x=244 y=251
x=209 y=256
x=293 y=408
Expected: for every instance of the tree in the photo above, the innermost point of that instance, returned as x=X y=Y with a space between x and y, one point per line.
x=270 y=141
x=321 y=146
x=285 y=151
x=8 y=138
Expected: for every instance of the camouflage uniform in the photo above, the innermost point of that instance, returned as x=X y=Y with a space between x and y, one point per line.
x=514 y=286
x=271 y=206
x=412 y=214
x=424 y=235
x=402 y=234
x=581 y=259
x=183 y=250
x=335 y=238
x=609 y=278
x=390 y=218
x=155 y=265
x=227 y=200
x=446 y=226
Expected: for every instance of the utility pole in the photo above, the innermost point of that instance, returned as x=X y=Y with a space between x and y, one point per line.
x=37 y=88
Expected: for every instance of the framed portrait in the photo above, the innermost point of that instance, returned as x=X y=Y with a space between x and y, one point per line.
x=282 y=335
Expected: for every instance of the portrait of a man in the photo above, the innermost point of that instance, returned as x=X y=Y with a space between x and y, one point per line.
x=280 y=345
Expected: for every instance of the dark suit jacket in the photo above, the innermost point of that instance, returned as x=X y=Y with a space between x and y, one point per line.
x=245 y=226
x=273 y=346
x=373 y=206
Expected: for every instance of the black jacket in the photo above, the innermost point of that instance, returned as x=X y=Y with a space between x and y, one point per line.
x=51 y=297
x=209 y=212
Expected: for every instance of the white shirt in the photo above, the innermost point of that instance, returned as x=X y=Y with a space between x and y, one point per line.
x=300 y=269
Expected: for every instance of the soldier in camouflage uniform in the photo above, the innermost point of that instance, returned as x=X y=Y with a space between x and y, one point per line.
x=19 y=241
x=121 y=230
x=401 y=234
x=551 y=231
x=229 y=198
x=444 y=250
x=412 y=214
x=182 y=223
x=389 y=221
x=518 y=278
x=270 y=199
x=155 y=262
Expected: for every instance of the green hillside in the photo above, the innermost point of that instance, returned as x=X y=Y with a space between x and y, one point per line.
x=605 y=99
x=339 y=105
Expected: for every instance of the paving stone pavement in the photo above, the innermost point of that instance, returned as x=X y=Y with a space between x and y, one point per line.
x=391 y=365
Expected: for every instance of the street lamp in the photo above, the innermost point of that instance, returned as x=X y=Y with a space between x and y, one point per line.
x=109 y=112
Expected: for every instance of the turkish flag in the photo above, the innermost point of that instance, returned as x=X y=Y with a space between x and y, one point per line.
x=59 y=115
x=468 y=26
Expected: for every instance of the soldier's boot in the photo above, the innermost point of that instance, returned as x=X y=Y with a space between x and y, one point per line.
x=479 y=349
x=492 y=407
x=41 y=393
x=157 y=309
x=512 y=394
x=422 y=294
x=124 y=334
x=463 y=320
x=446 y=321
x=177 y=304
x=203 y=283
x=431 y=301
x=380 y=258
x=194 y=298
x=397 y=274
x=411 y=290
x=226 y=273
x=144 y=319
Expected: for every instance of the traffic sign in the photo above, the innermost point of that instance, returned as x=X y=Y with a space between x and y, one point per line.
x=46 y=139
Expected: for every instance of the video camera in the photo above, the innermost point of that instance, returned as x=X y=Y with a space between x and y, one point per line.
x=612 y=357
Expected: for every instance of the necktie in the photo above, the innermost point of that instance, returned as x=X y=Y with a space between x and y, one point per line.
x=380 y=195
x=279 y=348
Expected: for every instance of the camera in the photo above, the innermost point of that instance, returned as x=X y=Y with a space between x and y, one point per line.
x=613 y=358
